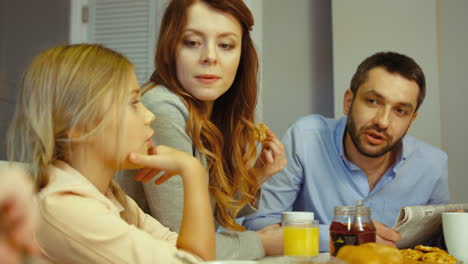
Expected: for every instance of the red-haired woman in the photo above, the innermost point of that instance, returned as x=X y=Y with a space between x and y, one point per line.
x=203 y=93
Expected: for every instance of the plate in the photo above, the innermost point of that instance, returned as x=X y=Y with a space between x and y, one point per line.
x=231 y=262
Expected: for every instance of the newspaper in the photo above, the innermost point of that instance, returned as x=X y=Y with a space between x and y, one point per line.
x=418 y=224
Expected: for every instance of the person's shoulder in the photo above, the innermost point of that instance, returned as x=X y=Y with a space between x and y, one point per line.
x=160 y=94
x=66 y=192
x=160 y=100
x=315 y=122
x=424 y=150
x=60 y=204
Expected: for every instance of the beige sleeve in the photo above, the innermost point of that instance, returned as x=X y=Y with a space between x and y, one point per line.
x=77 y=229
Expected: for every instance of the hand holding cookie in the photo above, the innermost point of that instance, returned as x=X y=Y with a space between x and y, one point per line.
x=272 y=158
x=260 y=132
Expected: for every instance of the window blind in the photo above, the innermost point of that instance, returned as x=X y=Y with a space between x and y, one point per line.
x=127 y=26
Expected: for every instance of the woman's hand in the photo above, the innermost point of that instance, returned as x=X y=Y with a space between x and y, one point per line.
x=272 y=159
x=163 y=159
x=272 y=239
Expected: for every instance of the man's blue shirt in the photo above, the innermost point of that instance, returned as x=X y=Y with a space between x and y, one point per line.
x=319 y=177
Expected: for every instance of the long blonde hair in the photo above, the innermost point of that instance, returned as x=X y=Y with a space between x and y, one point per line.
x=64 y=88
x=227 y=138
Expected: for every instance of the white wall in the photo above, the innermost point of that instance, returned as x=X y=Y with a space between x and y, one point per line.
x=297 y=70
x=256 y=7
x=433 y=33
x=363 y=27
x=26 y=28
x=453 y=70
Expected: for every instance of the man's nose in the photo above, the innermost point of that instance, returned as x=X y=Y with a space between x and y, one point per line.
x=382 y=117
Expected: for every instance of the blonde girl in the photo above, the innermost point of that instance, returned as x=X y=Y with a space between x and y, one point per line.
x=78 y=121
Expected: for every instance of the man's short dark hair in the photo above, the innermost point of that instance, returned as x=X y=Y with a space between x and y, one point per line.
x=393 y=63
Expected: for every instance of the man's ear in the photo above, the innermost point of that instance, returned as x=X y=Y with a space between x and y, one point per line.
x=413 y=118
x=347 y=100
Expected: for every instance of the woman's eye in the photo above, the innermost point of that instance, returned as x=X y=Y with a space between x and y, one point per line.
x=135 y=102
x=191 y=43
x=226 y=46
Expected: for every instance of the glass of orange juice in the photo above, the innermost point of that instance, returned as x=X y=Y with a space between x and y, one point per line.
x=300 y=234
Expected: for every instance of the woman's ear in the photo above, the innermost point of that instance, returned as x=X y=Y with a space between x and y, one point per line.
x=347 y=100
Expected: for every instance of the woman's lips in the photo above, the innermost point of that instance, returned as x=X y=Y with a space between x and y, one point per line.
x=207 y=78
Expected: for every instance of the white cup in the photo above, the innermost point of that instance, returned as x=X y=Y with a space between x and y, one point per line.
x=456 y=234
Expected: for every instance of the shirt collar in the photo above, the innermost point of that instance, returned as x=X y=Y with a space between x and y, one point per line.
x=339 y=135
x=64 y=178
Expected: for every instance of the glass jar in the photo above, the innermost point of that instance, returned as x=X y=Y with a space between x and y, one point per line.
x=301 y=234
x=352 y=225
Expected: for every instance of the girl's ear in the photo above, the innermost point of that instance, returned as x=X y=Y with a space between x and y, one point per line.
x=76 y=134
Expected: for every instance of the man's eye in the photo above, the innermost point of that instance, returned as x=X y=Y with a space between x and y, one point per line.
x=371 y=101
x=401 y=111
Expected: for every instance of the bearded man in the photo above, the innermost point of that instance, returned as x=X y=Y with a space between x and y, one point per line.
x=365 y=155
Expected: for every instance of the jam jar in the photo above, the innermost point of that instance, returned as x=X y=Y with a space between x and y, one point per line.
x=352 y=225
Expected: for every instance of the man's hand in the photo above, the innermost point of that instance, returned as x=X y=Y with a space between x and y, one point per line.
x=385 y=235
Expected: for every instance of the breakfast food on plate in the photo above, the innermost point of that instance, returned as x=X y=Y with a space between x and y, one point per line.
x=411 y=253
x=412 y=261
x=428 y=249
x=438 y=257
x=370 y=253
x=425 y=254
x=373 y=253
x=260 y=131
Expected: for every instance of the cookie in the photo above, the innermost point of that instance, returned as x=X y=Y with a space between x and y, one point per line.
x=260 y=132
x=429 y=249
x=407 y=260
x=411 y=253
x=438 y=257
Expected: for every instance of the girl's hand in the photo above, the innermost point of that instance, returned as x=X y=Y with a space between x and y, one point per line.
x=163 y=159
x=272 y=158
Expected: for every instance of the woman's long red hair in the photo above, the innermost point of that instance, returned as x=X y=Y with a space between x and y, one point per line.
x=227 y=138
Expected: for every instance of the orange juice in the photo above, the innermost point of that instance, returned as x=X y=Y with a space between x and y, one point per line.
x=301 y=241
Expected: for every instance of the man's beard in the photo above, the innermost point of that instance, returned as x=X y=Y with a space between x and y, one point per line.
x=351 y=129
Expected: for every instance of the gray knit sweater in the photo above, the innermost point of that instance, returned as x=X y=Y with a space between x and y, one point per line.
x=165 y=202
